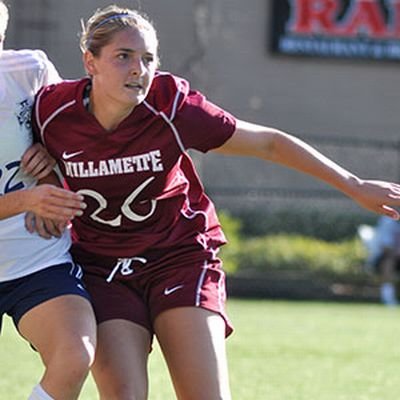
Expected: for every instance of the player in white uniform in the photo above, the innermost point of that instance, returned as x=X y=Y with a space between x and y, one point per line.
x=40 y=287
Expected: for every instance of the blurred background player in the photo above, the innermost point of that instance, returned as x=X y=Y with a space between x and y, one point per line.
x=149 y=238
x=40 y=287
x=383 y=245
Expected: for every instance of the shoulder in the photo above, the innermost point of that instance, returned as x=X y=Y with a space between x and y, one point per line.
x=53 y=99
x=60 y=93
x=14 y=60
x=168 y=92
x=170 y=84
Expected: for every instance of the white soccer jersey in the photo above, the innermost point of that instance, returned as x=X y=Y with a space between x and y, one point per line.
x=22 y=73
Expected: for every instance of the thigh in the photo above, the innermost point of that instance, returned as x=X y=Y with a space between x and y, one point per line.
x=124 y=337
x=193 y=343
x=190 y=284
x=52 y=311
x=61 y=324
x=28 y=292
x=120 y=367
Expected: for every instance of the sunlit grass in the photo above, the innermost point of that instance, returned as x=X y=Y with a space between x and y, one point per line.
x=279 y=351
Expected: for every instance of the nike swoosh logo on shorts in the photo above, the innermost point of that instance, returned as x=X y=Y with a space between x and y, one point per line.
x=168 y=291
x=67 y=156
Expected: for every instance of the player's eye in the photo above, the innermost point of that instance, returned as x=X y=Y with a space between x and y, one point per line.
x=122 y=56
x=148 y=59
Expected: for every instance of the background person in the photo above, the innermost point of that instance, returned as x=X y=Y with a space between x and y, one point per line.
x=383 y=245
x=40 y=286
x=149 y=238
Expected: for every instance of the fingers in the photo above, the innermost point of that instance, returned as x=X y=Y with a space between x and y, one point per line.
x=379 y=196
x=29 y=153
x=63 y=209
x=37 y=162
x=53 y=228
x=41 y=228
x=395 y=197
x=391 y=212
x=45 y=228
x=42 y=169
x=394 y=201
x=30 y=222
x=68 y=202
x=55 y=203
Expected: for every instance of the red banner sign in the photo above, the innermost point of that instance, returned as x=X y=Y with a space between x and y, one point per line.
x=337 y=28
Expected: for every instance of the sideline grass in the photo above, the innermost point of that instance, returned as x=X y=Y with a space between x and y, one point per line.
x=279 y=351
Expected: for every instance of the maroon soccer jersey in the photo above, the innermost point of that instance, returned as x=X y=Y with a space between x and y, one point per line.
x=138 y=180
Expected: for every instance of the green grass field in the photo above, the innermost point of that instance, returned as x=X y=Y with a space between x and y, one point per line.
x=279 y=351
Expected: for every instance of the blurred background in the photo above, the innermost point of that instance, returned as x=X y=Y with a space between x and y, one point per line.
x=344 y=104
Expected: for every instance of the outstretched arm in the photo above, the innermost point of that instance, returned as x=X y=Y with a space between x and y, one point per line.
x=279 y=147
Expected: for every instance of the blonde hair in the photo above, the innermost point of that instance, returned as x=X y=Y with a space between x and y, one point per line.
x=3 y=20
x=105 y=23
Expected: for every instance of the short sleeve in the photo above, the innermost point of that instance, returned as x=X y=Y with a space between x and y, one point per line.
x=203 y=125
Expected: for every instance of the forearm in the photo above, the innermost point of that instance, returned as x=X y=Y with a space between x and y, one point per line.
x=294 y=153
x=279 y=147
x=46 y=201
x=274 y=145
x=14 y=203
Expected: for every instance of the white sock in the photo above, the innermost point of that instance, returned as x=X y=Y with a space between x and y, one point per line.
x=388 y=294
x=38 y=393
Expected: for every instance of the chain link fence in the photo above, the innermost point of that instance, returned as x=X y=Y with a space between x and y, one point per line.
x=269 y=196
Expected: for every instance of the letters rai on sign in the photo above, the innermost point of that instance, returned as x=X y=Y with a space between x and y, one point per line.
x=345 y=18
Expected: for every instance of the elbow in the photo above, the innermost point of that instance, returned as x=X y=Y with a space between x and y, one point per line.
x=270 y=147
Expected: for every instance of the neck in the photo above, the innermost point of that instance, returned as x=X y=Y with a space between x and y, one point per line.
x=108 y=112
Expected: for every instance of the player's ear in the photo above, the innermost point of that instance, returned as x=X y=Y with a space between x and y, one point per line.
x=89 y=62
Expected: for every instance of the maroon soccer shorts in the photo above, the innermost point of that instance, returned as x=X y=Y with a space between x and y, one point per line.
x=140 y=288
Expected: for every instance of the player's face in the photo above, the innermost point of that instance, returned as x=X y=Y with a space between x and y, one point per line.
x=124 y=70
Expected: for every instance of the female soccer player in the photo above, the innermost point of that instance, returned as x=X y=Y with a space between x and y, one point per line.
x=40 y=287
x=149 y=238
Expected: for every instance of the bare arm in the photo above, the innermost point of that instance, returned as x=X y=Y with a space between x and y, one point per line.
x=279 y=147
x=48 y=208
x=46 y=201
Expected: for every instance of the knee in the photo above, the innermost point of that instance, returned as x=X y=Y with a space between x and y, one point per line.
x=112 y=386
x=79 y=360
x=72 y=361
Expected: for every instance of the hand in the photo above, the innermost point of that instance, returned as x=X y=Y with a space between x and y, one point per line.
x=54 y=203
x=37 y=162
x=378 y=196
x=44 y=227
